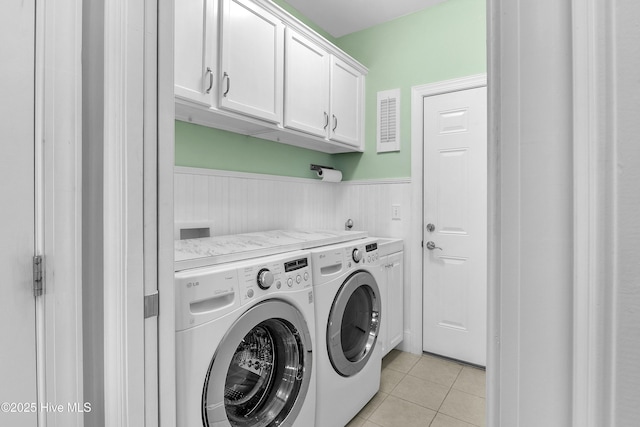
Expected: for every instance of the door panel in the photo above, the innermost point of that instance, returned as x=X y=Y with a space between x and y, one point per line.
x=195 y=50
x=453 y=192
x=455 y=202
x=346 y=108
x=17 y=305
x=306 y=106
x=395 y=300
x=252 y=61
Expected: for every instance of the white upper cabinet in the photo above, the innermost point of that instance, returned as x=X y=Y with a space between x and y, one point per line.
x=252 y=60
x=347 y=88
x=196 y=50
x=306 y=105
x=323 y=94
x=249 y=67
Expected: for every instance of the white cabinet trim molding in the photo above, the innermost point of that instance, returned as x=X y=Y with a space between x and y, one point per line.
x=259 y=176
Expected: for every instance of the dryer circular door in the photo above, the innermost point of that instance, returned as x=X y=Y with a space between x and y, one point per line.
x=260 y=373
x=353 y=325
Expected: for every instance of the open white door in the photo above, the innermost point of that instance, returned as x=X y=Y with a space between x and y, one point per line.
x=18 y=392
x=455 y=225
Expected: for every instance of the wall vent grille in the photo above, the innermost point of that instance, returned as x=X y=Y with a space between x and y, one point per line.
x=388 y=121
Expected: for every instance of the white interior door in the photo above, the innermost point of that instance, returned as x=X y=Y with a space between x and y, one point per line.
x=17 y=304
x=455 y=225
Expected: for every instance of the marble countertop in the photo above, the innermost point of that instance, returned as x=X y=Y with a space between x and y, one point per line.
x=193 y=253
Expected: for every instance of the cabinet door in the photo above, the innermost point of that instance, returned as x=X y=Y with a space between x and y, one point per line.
x=306 y=102
x=195 y=50
x=252 y=60
x=347 y=89
x=395 y=300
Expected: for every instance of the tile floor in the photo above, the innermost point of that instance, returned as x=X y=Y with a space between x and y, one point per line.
x=425 y=391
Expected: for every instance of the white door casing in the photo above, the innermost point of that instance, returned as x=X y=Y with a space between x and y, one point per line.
x=17 y=217
x=41 y=183
x=455 y=202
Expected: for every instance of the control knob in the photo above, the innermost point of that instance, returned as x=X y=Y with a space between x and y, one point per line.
x=265 y=278
x=356 y=255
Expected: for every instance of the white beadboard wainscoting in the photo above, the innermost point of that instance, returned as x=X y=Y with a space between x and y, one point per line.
x=236 y=202
x=239 y=202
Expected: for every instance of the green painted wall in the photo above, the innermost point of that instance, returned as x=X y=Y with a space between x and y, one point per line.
x=442 y=42
x=203 y=147
x=438 y=43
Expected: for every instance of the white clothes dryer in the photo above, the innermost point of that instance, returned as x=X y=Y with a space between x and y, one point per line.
x=348 y=307
x=245 y=335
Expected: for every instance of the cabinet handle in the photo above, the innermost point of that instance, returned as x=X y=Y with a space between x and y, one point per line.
x=210 y=72
x=226 y=76
x=326 y=120
x=335 y=121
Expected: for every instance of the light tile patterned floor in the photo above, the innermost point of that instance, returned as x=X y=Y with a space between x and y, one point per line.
x=425 y=391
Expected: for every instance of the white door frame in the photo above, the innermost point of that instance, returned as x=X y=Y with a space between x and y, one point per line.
x=592 y=125
x=418 y=93
x=58 y=136
x=138 y=56
x=592 y=272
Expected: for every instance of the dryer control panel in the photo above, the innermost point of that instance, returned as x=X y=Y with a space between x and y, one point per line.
x=274 y=275
x=336 y=260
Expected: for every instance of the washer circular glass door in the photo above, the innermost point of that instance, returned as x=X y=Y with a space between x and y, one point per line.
x=260 y=373
x=353 y=324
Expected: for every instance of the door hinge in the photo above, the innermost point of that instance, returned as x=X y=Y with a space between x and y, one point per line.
x=38 y=277
x=151 y=305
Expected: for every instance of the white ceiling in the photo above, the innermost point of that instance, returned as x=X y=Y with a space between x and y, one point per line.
x=341 y=17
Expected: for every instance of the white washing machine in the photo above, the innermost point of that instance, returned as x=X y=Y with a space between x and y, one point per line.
x=348 y=307
x=245 y=337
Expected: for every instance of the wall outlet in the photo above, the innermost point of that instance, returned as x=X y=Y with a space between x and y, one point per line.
x=395 y=212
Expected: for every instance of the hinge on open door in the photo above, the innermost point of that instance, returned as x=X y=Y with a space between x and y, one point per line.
x=151 y=305
x=38 y=277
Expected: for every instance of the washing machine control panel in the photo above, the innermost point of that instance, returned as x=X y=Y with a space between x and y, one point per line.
x=275 y=275
x=363 y=254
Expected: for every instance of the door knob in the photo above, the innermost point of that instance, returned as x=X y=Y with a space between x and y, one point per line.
x=431 y=246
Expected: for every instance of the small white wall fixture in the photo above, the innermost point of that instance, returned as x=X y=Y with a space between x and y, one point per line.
x=388 y=115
